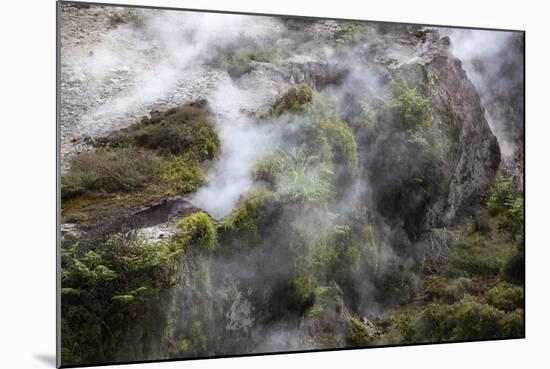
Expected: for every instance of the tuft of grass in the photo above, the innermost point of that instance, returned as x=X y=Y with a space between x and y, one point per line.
x=303 y=177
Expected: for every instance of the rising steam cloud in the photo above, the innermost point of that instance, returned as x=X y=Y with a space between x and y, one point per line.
x=494 y=64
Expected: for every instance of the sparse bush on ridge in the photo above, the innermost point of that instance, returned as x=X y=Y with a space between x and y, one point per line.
x=109 y=171
x=183 y=130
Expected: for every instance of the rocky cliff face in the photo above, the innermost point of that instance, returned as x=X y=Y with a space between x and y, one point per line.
x=326 y=162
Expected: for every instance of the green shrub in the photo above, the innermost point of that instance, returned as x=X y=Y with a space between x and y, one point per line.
x=403 y=159
x=514 y=269
x=467 y=319
x=118 y=261
x=500 y=196
x=473 y=258
x=346 y=250
x=109 y=171
x=480 y=224
x=296 y=99
x=315 y=311
x=408 y=110
x=199 y=230
x=241 y=228
x=183 y=130
x=303 y=177
x=505 y=296
x=195 y=324
x=473 y=320
x=433 y=323
x=108 y=289
x=301 y=290
x=327 y=147
x=268 y=169
x=397 y=287
x=448 y=291
x=181 y=174
x=482 y=249
x=342 y=141
x=81 y=334
x=359 y=333
x=506 y=205
x=197 y=234
x=402 y=331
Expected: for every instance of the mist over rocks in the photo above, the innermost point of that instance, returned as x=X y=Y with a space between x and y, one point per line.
x=342 y=185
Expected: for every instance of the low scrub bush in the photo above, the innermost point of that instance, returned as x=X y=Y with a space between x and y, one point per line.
x=467 y=319
x=198 y=230
x=505 y=296
x=109 y=171
x=183 y=130
x=297 y=99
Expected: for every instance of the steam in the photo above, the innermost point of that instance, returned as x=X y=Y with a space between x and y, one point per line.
x=493 y=61
x=157 y=60
x=243 y=141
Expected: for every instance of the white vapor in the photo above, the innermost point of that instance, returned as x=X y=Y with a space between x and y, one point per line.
x=495 y=67
x=242 y=141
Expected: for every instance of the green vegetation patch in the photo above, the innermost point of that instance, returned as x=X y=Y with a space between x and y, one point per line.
x=159 y=157
x=199 y=230
x=404 y=157
x=241 y=229
x=123 y=170
x=481 y=252
x=183 y=130
x=467 y=319
x=506 y=296
x=359 y=333
x=296 y=99
x=506 y=205
x=238 y=60
x=109 y=289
